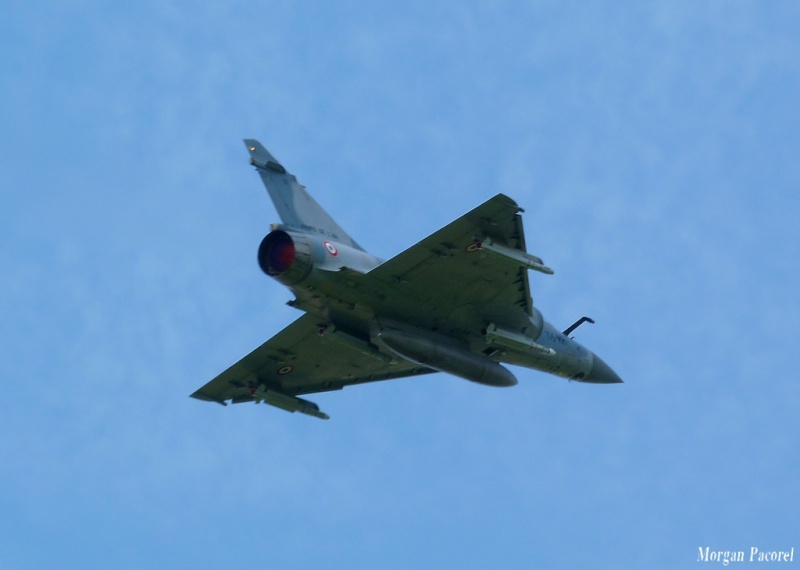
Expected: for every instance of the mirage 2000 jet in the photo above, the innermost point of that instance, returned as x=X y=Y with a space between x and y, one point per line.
x=457 y=302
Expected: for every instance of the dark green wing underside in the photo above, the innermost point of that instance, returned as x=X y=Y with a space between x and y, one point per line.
x=443 y=281
x=298 y=360
x=447 y=282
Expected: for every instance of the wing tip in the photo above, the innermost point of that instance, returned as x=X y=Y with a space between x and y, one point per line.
x=206 y=398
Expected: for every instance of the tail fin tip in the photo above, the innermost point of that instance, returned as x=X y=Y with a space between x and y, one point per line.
x=260 y=157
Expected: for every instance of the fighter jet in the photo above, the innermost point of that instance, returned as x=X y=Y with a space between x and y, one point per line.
x=457 y=302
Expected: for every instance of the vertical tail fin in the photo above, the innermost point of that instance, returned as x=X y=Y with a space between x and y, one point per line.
x=295 y=206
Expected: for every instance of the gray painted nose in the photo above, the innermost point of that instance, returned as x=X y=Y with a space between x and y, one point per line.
x=601 y=373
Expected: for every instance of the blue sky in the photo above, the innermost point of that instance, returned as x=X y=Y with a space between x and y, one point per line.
x=654 y=148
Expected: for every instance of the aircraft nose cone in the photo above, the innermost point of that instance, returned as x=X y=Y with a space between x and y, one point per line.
x=601 y=373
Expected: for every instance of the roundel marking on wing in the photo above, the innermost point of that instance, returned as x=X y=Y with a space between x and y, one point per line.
x=331 y=248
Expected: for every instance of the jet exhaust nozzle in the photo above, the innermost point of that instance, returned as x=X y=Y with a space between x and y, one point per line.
x=285 y=256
